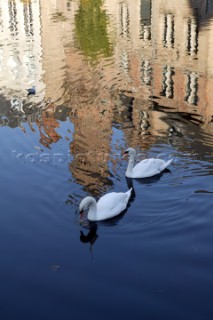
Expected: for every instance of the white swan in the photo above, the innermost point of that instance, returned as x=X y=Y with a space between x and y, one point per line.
x=145 y=168
x=108 y=206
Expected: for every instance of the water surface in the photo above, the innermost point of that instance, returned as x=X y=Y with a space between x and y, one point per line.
x=108 y=75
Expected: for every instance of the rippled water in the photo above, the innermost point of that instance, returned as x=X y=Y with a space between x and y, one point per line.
x=107 y=75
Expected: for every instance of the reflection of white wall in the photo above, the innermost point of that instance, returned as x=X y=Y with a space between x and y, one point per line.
x=57 y=36
x=126 y=16
x=190 y=40
x=192 y=88
x=128 y=23
x=209 y=42
x=20 y=52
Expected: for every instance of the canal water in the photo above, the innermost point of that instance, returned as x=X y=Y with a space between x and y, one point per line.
x=104 y=76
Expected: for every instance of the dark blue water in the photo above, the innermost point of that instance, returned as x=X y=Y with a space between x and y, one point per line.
x=154 y=261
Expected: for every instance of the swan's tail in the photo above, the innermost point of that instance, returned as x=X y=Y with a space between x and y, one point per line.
x=168 y=163
x=129 y=192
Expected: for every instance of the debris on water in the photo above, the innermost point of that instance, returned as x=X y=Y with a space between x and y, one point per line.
x=16 y=105
x=38 y=148
x=31 y=90
x=103 y=101
x=55 y=268
x=203 y=191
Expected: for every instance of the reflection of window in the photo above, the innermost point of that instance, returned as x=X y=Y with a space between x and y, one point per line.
x=168 y=31
x=146 y=72
x=167 y=83
x=191 y=36
x=30 y=66
x=145 y=19
x=1 y=60
x=124 y=65
x=192 y=88
x=13 y=17
x=145 y=32
x=68 y=5
x=145 y=124
x=28 y=18
x=14 y=63
x=1 y=21
x=124 y=20
x=16 y=104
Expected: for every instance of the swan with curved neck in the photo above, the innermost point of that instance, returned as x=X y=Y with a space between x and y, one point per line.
x=145 y=168
x=108 y=206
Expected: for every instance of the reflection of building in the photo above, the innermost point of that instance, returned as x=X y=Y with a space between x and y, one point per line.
x=56 y=33
x=183 y=73
x=176 y=32
x=92 y=117
x=30 y=55
x=131 y=21
x=91 y=150
x=20 y=52
x=47 y=126
x=172 y=62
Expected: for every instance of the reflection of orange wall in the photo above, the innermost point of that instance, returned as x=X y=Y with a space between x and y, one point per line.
x=205 y=105
x=91 y=147
x=135 y=68
x=92 y=117
x=47 y=126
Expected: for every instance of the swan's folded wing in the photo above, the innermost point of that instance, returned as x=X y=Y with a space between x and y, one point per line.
x=112 y=203
x=147 y=167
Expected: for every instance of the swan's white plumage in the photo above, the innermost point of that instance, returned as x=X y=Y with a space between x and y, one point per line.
x=145 y=168
x=108 y=206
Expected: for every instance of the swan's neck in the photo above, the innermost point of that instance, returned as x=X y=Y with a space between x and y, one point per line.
x=92 y=213
x=130 y=165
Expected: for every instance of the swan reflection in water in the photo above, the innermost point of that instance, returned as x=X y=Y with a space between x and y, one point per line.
x=90 y=234
x=146 y=181
x=90 y=237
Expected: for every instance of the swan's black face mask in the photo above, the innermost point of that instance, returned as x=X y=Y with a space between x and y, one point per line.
x=125 y=154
